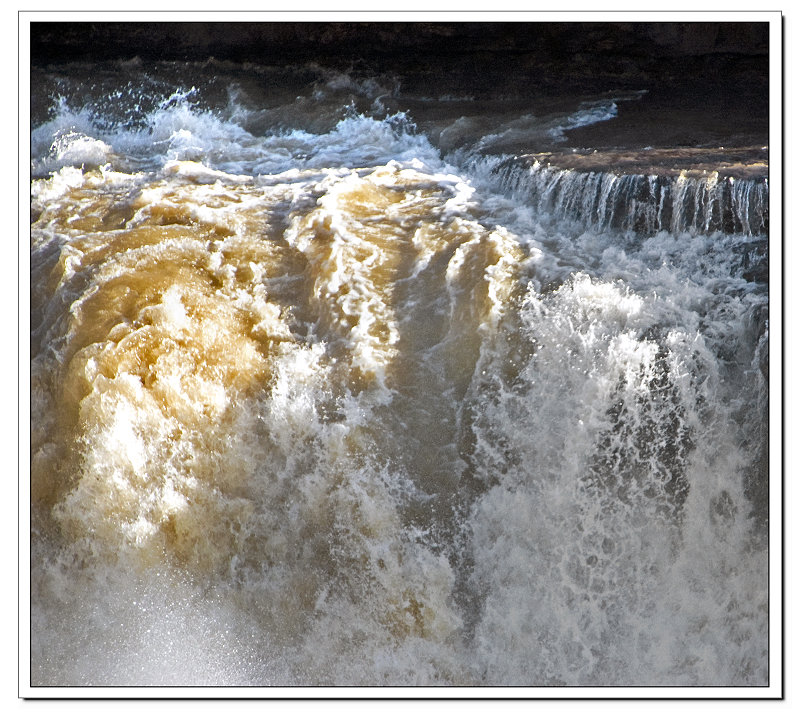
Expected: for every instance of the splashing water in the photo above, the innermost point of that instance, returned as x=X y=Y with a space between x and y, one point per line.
x=312 y=404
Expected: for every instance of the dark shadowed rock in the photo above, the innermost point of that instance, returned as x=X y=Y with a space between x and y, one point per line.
x=480 y=54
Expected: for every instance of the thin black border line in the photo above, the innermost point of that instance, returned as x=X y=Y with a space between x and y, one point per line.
x=783 y=360
x=408 y=12
x=19 y=364
x=602 y=698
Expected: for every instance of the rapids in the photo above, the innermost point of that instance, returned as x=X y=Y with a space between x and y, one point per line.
x=321 y=395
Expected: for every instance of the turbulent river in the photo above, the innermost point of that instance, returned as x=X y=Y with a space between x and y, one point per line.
x=332 y=386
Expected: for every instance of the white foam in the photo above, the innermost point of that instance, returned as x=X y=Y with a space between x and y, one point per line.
x=377 y=423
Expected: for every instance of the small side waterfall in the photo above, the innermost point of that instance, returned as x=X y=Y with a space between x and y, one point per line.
x=684 y=202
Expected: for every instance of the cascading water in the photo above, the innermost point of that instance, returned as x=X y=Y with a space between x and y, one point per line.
x=313 y=402
x=642 y=203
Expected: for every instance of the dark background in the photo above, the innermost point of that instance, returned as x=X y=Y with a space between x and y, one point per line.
x=487 y=57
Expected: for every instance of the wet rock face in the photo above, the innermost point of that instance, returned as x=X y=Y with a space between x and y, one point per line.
x=543 y=53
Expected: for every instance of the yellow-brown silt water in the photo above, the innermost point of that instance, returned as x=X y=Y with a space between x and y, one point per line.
x=314 y=403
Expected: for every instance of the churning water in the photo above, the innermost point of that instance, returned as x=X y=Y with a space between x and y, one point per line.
x=321 y=396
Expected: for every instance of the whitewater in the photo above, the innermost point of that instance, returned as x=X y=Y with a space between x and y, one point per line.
x=330 y=389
